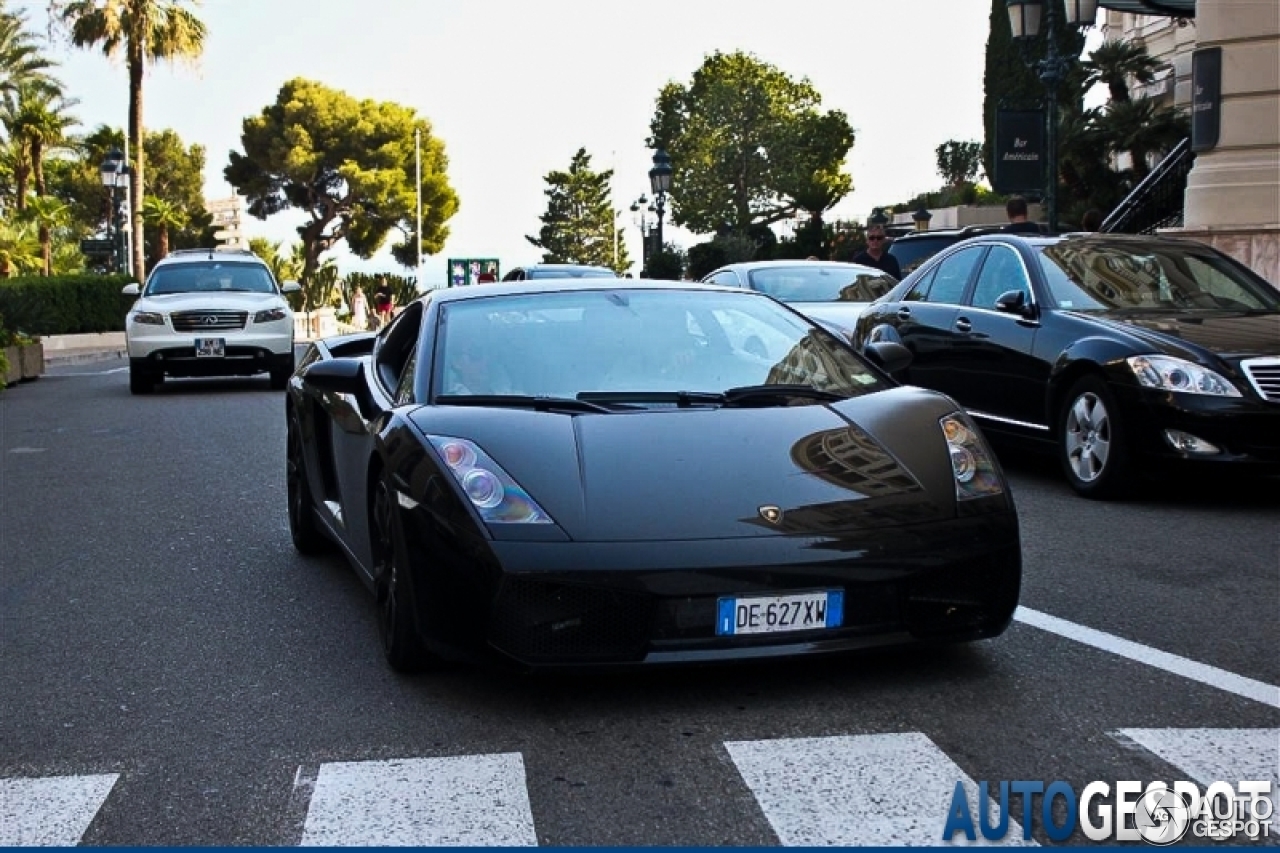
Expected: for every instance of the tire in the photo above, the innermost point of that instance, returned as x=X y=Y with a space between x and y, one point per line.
x=141 y=381
x=397 y=625
x=280 y=379
x=1092 y=444
x=304 y=530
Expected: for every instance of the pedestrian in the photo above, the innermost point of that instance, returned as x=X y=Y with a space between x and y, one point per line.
x=383 y=302
x=877 y=255
x=1092 y=220
x=1016 y=209
x=359 y=309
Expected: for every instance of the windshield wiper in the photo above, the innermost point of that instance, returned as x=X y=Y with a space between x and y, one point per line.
x=522 y=401
x=772 y=393
x=683 y=399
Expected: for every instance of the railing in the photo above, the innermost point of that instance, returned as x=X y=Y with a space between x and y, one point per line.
x=1158 y=201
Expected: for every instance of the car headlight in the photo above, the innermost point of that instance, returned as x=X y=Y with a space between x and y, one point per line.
x=269 y=316
x=150 y=318
x=1175 y=374
x=493 y=493
x=975 y=473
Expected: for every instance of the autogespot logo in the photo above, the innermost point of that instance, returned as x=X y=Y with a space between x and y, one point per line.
x=1160 y=814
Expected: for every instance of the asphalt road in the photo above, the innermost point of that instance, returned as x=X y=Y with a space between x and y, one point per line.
x=174 y=674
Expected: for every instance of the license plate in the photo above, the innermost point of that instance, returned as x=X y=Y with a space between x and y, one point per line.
x=211 y=347
x=770 y=614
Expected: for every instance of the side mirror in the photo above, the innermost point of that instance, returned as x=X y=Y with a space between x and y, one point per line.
x=1013 y=302
x=890 y=356
x=290 y=287
x=131 y=289
x=340 y=376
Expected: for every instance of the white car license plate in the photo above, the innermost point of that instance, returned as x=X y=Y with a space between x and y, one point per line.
x=211 y=347
x=769 y=614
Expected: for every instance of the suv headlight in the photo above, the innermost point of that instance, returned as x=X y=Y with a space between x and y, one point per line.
x=1175 y=374
x=492 y=491
x=150 y=318
x=270 y=315
x=971 y=463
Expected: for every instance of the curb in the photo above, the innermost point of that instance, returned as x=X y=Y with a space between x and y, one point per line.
x=52 y=359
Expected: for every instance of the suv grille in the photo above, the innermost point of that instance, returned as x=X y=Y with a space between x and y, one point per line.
x=1264 y=375
x=208 y=321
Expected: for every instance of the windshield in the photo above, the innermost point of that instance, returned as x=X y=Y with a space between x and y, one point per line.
x=1103 y=276
x=565 y=344
x=912 y=253
x=210 y=277
x=815 y=283
x=569 y=272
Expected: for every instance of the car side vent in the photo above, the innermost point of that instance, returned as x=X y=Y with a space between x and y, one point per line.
x=1264 y=375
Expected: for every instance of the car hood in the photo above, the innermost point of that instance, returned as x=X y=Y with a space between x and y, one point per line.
x=840 y=314
x=1228 y=334
x=235 y=300
x=874 y=461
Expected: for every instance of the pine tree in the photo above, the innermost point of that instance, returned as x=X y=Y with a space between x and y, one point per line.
x=580 y=224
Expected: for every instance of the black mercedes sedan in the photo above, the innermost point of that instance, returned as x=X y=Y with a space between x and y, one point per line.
x=1121 y=353
x=599 y=472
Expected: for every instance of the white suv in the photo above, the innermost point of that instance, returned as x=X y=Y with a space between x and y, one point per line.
x=209 y=312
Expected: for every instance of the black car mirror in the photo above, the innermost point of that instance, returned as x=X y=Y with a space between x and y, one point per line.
x=340 y=376
x=889 y=356
x=1013 y=302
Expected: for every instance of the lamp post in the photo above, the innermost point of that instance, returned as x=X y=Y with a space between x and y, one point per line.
x=1024 y=22
x=878 y=217
x=640 y=210
x=660 y=184
x=921 y=218
x=114 y=174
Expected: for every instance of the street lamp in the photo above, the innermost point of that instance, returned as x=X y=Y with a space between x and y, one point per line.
x=1024 y=21
x=114 y=173
x=660 y=183
x=640 y=210
x=878 y=217
x=921 y=218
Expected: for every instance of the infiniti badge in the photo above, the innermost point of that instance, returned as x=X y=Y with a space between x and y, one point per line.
x=209 y=320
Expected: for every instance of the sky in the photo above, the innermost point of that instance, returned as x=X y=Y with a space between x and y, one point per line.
x=515 y=88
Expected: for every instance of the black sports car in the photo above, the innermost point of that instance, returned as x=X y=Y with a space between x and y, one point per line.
x=600 y=472
x=1119 y=352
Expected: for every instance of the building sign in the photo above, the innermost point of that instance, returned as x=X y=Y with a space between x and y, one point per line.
x=464 y=271
x=1206 y=97
x=1019 y=154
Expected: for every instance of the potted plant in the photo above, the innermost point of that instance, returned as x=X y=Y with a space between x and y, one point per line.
x=21 y=356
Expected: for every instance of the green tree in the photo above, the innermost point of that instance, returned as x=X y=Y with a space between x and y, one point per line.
x=579 y=224
x=162 y=216
x=178 y=180
x=349 y=165
x=748 y=145
x=1114 y=63
x=37 y=120
x=21 y=60
x=19 y=248
x=47 y=213
x=145 y=31
x=959 y=162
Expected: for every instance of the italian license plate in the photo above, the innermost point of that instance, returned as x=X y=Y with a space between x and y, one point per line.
x=211 y=347
x=770 y=614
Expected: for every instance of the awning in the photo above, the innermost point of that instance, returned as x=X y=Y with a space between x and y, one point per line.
x=1168 y=8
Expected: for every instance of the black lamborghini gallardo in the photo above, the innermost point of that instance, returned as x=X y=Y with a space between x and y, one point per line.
x=612 y=472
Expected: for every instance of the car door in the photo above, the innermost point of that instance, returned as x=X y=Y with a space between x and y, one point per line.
x=925 y=319
x=996 y=372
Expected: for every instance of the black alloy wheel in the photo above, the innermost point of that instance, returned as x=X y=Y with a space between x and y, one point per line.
x=1092 y=442
x=401 y=645
x=307 y=536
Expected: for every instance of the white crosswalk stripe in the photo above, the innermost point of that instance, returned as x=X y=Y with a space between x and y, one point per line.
x=470 y=800
x=51 y=811
x=866 y=790
x=1210 y=755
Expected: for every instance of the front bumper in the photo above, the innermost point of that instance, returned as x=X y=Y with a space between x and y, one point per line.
x=1246 y=432
x=553 y=604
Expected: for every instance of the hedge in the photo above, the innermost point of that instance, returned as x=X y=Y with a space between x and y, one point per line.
x=65 y=304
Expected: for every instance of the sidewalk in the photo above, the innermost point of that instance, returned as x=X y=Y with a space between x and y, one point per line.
x=77 y=349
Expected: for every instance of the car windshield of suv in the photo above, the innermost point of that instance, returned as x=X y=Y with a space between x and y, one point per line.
x=569 y=272
x=815 y=283
x=1107 y=276
x=915 y=251
x=210 y=277
x=564 y=344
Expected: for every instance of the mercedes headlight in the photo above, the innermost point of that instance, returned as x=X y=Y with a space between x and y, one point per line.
x=971 y=462
x=1167 y=373
x=492 y=491
x=269 y=316
x=150 y=318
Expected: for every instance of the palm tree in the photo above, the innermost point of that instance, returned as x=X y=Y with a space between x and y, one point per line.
x=19 y=248
x=35 y=115
x=48 y=213
x=20 y=57
x=1114 y=63
x=145 y=31
x=163 y=215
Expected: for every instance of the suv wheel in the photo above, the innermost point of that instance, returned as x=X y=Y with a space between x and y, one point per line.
x=142 y=381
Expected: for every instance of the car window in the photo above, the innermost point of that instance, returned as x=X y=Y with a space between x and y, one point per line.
x=396 y=344
x=404 y=388
x=920 y=289
x=952 y=276
x=821 y=283
x=728 y=278
x=913 y=252
x=1002 y=271
x=210 y=277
